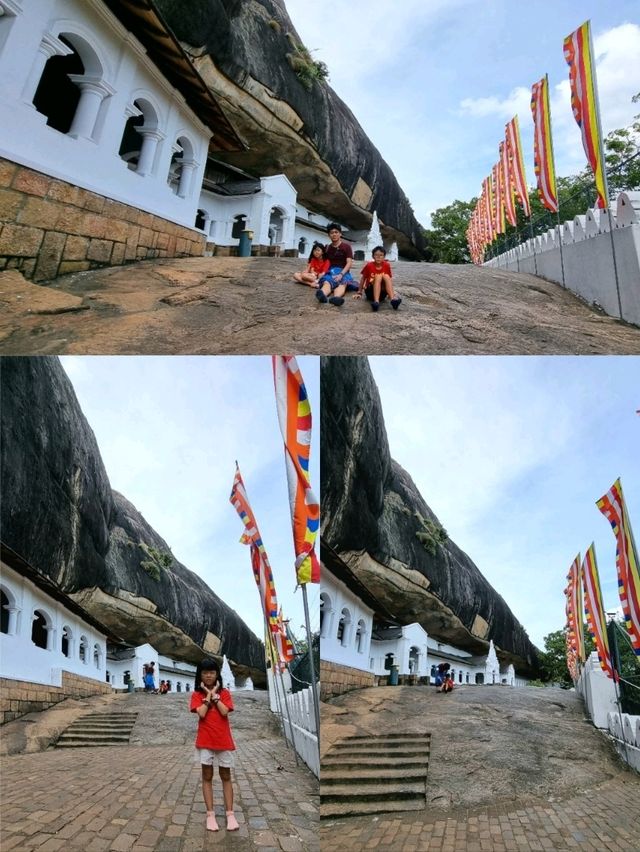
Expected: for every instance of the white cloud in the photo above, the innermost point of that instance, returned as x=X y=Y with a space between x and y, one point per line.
x=516 y=103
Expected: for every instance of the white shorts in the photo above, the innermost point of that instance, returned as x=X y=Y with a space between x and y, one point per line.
x=208 y=757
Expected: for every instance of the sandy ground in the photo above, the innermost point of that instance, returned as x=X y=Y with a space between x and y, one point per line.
x=251 y=306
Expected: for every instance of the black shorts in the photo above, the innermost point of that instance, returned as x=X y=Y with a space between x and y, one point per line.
x=368 y=292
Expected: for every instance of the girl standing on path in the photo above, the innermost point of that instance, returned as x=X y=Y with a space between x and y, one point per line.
x=214 y=742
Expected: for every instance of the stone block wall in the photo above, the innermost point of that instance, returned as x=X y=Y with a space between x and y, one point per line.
x=18 y=697
x=49 y=227
x=336 y=679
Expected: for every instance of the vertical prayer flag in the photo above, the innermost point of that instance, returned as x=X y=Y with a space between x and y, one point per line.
x=259 y=559
x=575 y=636
x=516 y=164
x=507 y=185
x=543 y=145
x=613 y=507
x=594 y=610
x=498 y=204
x=584 y=102
x=294 y=416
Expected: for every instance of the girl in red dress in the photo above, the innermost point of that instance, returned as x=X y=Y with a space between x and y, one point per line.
x=317 y=267
x=214 y=742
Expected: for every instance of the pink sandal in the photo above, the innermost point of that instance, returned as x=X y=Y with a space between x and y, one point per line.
x=212 y=825
x=232 y=822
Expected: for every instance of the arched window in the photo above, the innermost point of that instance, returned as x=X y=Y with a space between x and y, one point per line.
x=239 y=225
x=179 y=686
x=360 y=635
x=181 y=167
x=97 y=655
x=66 y=644
x=84 y=650
x=140 y=137
x=57 y=96
x=460 y=678
x=479 y=678
x=342 y=634
x=187 y=688
x=302 y=245
x=358 y=255
x=434 y=671
x=276 y=226
x=71 y=89
x=326 y=610
x=414 y=659
x=4 y=612
x=201 y=220
x=40 y=629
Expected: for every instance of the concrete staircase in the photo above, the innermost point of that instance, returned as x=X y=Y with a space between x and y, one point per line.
x=375 y=774
x=98 y=729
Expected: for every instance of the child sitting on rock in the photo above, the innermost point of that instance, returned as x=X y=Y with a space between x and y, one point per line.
x=338 y=279
x=376 y=281
x=317 y=266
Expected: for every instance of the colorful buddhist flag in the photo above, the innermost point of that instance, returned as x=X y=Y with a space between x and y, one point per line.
x=517 y=171
x=543 y=146
x=498 y=203
x=488 y=212
x=575 y=635
x=294 y=416
x=259 y=559
x=613 y=507
x=507 y=186
x=584 y=102
x=594 y=611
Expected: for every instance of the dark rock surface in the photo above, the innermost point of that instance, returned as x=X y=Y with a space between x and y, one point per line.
x=58 y=513
x=310 y=135
x=372 y=513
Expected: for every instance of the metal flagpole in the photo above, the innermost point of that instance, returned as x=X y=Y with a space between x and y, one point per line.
x=604 y=172
x=314 y=685
x=275 y=664
x=275 y=683
x=286 y=704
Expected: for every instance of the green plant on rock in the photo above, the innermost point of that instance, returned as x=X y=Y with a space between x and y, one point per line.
x=157 y=562
x=431 y=535
x=308 y=70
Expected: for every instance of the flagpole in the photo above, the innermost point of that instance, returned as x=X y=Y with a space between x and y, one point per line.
x=314 y=685
x=275 y=665
x=604 y=169
x=269 y=651
x=617 y=669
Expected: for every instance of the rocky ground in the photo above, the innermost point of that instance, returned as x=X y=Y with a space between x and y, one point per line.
x=522 y=765
x=147 y=795
x=251 y=306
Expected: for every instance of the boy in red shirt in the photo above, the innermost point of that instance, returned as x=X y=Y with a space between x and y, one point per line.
x=375 y=280
x=214 y=742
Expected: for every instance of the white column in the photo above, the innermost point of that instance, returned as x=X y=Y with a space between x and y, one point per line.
x=49 y=46
x=150 y=140
x=93 y=92
x=188 y=168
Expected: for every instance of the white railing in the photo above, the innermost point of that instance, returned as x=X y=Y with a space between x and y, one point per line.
x=295 y=710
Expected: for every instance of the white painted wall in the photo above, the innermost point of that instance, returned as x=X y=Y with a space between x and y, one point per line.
x=413 y=636
x=337 y=599
x=597 y=691
x=21 y=659
x=122 y=73
x=588 y=257
x=133 y=664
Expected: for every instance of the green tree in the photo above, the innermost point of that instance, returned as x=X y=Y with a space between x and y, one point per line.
x=447 y=240
x=554 y=658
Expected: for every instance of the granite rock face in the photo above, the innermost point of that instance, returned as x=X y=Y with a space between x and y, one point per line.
x=378 y=523
x=59 y=513
x=241 y=50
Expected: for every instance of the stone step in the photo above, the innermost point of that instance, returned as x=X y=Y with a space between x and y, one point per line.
x=372 y=775
x=85 y=744
x=108 y=736
x=381 y=751
x=98 y=729
x=396 y=791
x=336 y=760
x=335 y=810
x=369 y=738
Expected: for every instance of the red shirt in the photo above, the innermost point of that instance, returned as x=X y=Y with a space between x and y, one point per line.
x=370 y=269
x=319 y=266
x=338 y=255
x=214 y=731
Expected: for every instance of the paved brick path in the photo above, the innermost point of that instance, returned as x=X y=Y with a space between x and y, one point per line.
x=147 y=796
x=603 y=818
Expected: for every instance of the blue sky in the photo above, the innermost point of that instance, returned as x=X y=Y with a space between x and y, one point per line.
x=433 y=82
x=511 y=454
x=169 y=430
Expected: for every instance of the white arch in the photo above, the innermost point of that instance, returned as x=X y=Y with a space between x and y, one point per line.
x=48 y=625
x=83 y=650
x=11 y=607
x=94 y=57
x=68 y=632
x=326 y=613
x=342 y=633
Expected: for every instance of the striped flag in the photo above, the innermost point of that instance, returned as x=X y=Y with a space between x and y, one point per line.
x=575 y=636
x=507 y=185
x=498 y=203
x=543 y=145
x=516 y=164
x=613 y=507
x=584 y=102
x=294 y=416
x=488 y=211
x=594 y=610
x=259 y=558
x=284 y=646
